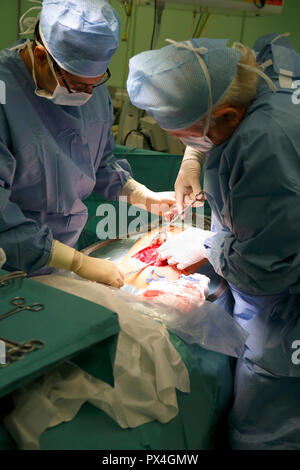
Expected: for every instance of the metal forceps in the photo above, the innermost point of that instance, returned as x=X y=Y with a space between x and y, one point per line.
x=19 y=305
x=12 y=355
x=199 y=197
x=6 y=278
x=17 y=351
x=25 y=347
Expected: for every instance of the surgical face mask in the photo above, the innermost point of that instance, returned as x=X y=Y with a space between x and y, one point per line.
x=203 y=144
x=60 y=95
x=63 y=97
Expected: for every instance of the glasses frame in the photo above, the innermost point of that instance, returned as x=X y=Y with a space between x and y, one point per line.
x=63 y=79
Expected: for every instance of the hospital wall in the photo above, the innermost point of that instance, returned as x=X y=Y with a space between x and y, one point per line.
x=178 y=24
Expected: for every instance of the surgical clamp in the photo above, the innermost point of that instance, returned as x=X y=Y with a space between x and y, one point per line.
x=27 y=346
x=19 y=305
x=4 y=280
x=12 y=355
x=18 y=350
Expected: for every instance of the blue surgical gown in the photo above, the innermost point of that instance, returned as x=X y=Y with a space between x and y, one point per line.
x=252 y=183
x=51 y=158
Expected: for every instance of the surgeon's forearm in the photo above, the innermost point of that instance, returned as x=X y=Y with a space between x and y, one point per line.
x=193 y=154
x=64 y=257
x=136 y=192
x=92 y=269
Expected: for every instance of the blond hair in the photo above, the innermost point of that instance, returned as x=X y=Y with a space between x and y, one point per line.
x=243 y=88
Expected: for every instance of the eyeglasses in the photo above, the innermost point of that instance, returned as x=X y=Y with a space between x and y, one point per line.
x=78 y=87
x=83 y=87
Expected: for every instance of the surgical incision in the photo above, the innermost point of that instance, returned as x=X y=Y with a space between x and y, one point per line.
x=169 y=285
x=150 y=255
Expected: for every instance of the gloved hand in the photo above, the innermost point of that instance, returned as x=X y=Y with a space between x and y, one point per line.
x=99 y=270
x=187 y=184
x=155 y=202
x=186 y=248
x=160 y=202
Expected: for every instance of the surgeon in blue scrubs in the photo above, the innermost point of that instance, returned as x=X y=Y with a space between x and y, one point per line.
x=56 y=144
x=234 y=108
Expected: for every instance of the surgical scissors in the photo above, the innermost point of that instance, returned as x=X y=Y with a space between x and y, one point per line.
x=199 y=197
x=19 y=303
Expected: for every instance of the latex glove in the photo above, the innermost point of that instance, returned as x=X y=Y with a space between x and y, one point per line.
x=186 y=248
x=155 y=202
x=160 y=202
x=187 y=184
x=100 y=270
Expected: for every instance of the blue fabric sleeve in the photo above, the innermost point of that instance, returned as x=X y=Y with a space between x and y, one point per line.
x=213 y=246
x=112 y=173
x=261 y=253
x=26 y=244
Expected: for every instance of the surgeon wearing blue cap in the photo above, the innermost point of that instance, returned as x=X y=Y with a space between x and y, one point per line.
x=233 y=108
x=56 y=144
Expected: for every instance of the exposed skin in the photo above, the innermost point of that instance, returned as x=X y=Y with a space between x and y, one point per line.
x=171 y=273
x=226 y=121
x=45 y=78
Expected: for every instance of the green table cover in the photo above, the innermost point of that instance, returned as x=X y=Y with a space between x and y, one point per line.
x=90 y=341
x=68 y=325
x=199 y=425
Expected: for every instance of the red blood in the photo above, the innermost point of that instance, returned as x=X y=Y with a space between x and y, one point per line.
x=149 y=255
x=152 y=293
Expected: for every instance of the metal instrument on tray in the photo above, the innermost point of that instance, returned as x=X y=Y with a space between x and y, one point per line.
x=19 y=305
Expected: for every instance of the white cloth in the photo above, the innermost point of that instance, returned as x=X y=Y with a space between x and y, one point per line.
x=186 y=248
x=147 y=371
x=183 y=294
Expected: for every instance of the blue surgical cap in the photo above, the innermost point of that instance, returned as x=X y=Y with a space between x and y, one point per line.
x=278 y=39
x=170 y=84
x=81 y=35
